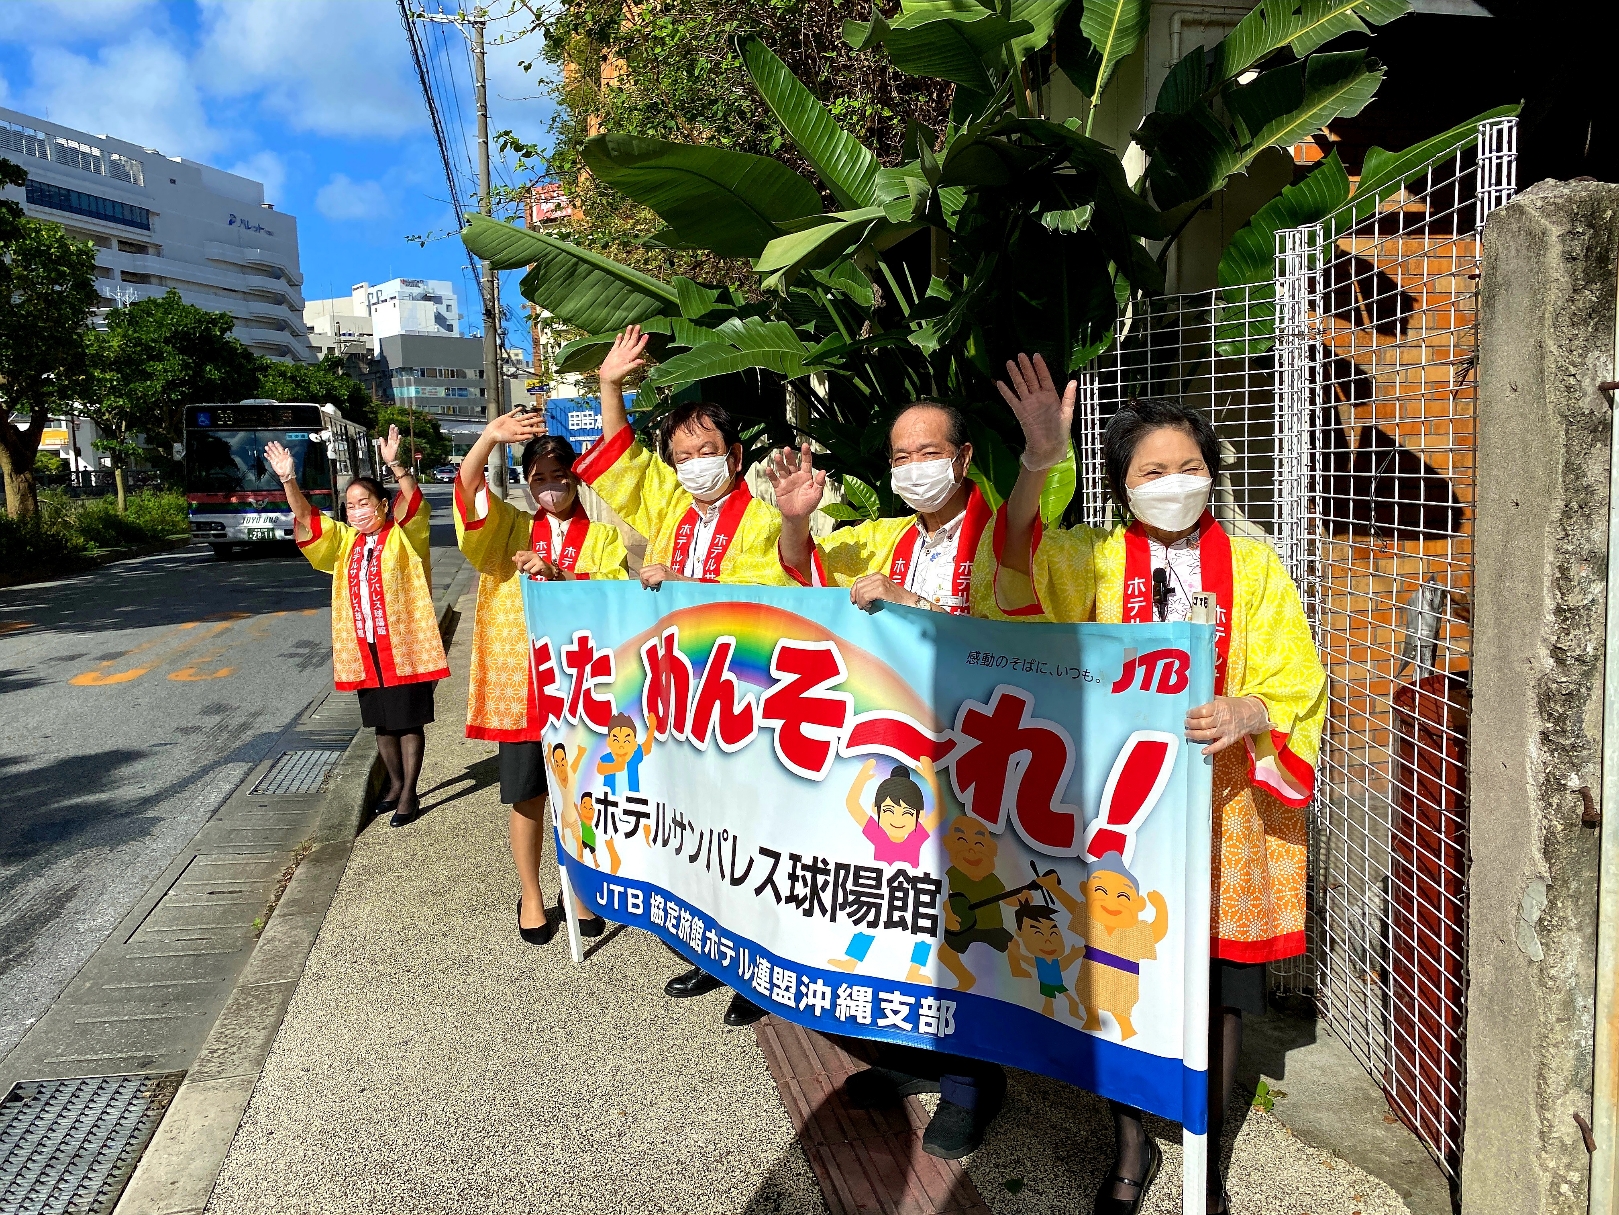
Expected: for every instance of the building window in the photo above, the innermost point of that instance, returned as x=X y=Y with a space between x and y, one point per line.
x=123 y=168
x=93 y=206
x=78 y=155
x=131 y=246
x=24 y=140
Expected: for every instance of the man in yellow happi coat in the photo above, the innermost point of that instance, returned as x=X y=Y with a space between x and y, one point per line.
x=941 y=558
x=507 y=546
x=688 y=498
x=1162 y=459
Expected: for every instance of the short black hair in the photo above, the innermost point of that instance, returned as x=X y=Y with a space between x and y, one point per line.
x=691 y=414
x=374 y=488
x=555 y=747
x=957 y=435
x=1139 y=418
x=555 y=446
x=1032 y=911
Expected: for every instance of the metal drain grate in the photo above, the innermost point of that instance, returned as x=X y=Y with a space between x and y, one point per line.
x=68 y=1147
x=298 y=772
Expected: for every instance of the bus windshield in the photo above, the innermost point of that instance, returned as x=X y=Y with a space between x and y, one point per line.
x=232 y=461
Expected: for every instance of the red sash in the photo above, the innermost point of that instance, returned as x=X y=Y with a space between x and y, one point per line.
x=976 y=519
x=573 y=539
x=373 y=575
x=724 y=532
x=1214 y=550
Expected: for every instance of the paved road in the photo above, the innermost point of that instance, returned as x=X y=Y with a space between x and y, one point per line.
x=133 y=700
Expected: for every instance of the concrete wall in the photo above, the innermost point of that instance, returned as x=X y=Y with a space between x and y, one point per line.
x=1546 y=340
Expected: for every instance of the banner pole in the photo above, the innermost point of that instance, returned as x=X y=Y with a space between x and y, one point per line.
x=1195 y=1148
x=576 y=947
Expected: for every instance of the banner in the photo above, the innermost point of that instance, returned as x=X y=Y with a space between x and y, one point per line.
x=984 y=838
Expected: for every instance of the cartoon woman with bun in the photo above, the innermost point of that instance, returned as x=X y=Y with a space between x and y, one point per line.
x=897 y=825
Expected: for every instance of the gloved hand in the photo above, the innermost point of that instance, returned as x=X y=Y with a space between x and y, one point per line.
x=1226 y=720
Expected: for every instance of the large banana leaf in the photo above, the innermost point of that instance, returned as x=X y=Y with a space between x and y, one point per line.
x=1251 y=255
x=1302 y=25
x=950 y=41
x=751 y=344
x=1382 y=171
x=713 y=198
x=578 y=287
x=1073 y=51
x=1192 y=155
x=1042 y=17
x=1292 y=103
x=1059 y=491
x=1115 y=28
x=847 y=166
x=816 y=247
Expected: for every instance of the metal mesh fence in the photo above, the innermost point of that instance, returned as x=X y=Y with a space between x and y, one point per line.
x=1343 y=393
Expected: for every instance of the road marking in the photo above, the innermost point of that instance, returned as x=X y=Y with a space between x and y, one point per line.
x=189 y=674
x=101 y=678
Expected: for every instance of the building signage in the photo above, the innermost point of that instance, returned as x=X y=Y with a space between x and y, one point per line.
x=240 y=221
x=578 y=419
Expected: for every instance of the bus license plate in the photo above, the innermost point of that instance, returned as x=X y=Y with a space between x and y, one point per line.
x=260 y=533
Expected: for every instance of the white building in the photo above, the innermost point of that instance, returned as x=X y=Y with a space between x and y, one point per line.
x=419 y=307
x=162 y=221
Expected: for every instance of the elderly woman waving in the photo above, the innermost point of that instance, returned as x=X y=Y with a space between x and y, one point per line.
x=385 y=638
x=1263 y=727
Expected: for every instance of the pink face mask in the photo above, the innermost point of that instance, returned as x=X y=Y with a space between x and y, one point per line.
x=365 y=518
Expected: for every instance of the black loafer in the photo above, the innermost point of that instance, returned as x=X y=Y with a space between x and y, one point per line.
x=953 y=1132
x=386 y=806
x=535 y=936
x=694 y=982
x=1107 y=1204
x=743 y=1011
x=589 y=926
x=405 y=820
x=881 y=1087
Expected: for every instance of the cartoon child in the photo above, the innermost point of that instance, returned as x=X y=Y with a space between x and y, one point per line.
x=1117 y=941
x=567 y=816
x=972 y=880
x=587 y=835
x=897 y=829
x=624 y=754
x=1041 y=936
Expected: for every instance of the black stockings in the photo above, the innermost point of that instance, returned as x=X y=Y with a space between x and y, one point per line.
x=401 y=752
x=1129 y=1132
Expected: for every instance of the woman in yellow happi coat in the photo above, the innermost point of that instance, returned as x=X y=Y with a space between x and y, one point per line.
x=945 y=557
x=689 y=498
x=385 y=639
x=1162 y=459
x=507 y=545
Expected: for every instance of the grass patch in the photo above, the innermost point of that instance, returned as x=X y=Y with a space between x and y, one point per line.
x=68 y=532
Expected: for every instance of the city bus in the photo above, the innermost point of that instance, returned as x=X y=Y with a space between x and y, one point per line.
x=233 y=497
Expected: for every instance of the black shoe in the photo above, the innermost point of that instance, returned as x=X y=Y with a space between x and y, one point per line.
x=405 y=820
x=1107 y=1204
x=743 y=1011
x=953 y=1132
x=534 y=936
x=386 y=806
x=694 y=982
x=589 y=925
x=881 y=1087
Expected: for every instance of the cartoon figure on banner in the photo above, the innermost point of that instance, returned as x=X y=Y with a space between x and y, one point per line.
x=1042 y=938
x=624 y=754
x=1117 y=942
x=587 y=836
x=566 y=815
x=897 y=828
x=972 y=910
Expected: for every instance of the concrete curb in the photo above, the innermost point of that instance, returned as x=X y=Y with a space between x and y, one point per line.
x=177 y=1172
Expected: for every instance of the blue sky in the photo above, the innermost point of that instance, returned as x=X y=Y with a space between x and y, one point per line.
x=318 y=99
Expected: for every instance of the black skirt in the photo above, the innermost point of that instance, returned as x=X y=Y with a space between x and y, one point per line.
x=396 y=707
x=522 y=772
x=1239 y=985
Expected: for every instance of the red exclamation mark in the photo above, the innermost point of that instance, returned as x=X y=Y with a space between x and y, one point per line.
x=1133 y=789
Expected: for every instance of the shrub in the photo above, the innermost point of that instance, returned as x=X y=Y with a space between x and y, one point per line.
x=66 y=530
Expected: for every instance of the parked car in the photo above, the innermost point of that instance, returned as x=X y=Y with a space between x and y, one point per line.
x=444 y=472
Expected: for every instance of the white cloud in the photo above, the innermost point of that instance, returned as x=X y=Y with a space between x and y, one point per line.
x=327 y=67
x=39 y=21
x=268 y=168
x=140 y=90
x=342 y=198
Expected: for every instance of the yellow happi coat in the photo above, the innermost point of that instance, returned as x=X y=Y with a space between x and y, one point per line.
x=1262 y=791
x=850 y=553
x=648 y=496
x=499 y=690
x=408 y=646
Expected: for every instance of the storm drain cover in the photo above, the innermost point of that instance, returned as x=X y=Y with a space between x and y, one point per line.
x=68 y=1147
x=298 y=772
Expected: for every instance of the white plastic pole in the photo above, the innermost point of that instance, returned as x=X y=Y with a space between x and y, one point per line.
x=576 y=945
x=1195 y=1007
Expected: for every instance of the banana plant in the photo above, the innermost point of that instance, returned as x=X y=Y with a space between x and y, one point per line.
x=1008 y=231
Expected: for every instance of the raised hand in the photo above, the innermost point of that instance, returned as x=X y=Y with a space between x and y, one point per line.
x=624 y=357
x=388 y=448
x=280 y=460
x=516 y=427
x=798 y=484
x=1046 y=416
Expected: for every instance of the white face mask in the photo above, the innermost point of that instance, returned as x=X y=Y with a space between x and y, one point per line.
x=926 y=486
x=1171 y=504
x=704 y=476
x=554 y=497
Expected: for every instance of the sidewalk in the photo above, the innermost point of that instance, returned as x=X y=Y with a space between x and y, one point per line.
x=430 y=1061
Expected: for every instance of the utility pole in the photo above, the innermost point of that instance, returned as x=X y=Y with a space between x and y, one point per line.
x=494 y=383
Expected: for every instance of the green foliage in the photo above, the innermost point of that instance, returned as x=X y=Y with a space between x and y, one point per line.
x=47 y=464
x=916 y=271
x=325 y=383
x=65 y=531
x=431 y=445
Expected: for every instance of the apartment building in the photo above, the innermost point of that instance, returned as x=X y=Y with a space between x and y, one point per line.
x=161 y=222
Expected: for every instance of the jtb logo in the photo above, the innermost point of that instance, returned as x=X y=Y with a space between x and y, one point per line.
x=1170 y=667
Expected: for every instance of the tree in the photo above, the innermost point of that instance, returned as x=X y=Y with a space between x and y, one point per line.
x=154 y=358
x=47 y=294
x=325 y=383
x=432 y=447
